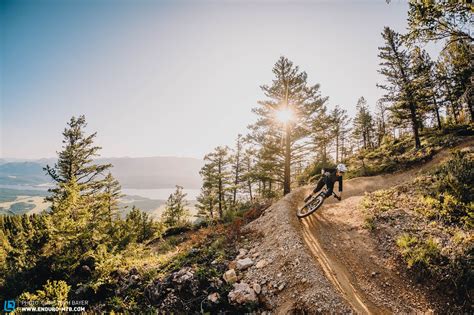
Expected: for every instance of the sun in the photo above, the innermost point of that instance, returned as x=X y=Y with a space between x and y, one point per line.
x=284 y=115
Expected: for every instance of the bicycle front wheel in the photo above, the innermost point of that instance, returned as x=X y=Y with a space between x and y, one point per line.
x=310 y=207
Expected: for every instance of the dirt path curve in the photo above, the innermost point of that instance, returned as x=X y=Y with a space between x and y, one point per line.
x=366 y=279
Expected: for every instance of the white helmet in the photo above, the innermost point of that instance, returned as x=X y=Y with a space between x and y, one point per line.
x=341 y=168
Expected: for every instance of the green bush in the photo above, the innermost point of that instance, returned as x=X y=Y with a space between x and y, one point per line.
x=457 y=177
x=55 y=291
x=451 y=191
x=418 y=252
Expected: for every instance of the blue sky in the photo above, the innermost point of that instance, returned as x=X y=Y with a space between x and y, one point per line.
x=173 y=78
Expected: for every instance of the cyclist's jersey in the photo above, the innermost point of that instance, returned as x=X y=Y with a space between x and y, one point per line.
x=331 y=176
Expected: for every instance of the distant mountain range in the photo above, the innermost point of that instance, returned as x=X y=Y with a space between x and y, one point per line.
x=143 y=173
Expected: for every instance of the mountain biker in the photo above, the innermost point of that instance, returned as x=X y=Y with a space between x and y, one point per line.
x=329 y=178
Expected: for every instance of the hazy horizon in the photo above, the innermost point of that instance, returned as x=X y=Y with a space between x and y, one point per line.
x=159 y=78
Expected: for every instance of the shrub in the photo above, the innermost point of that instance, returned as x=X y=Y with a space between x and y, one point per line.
x=418 y=252
x=457 y=177
x=451 y=191
x=54 y=291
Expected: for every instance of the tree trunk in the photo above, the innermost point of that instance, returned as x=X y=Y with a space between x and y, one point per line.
x=221 y=214
x=342 y=148
x=455 y=114
x=236 y=181
x=237 y=170
x=415 y=125
x=337 y=148
x=469 y=99
x=438 y=119
x=286 y=182
x=250 y=189
x=211 y=213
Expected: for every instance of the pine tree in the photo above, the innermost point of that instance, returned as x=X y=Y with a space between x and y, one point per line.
x=283 y=115
x=438 y=20
x=340 y=122
x=395 y=66
x=140 y=226
x=249 y=170
x=111 y=195
x=83 y=200
x=322 y=135
x=176 y=212
x=206 y=203
x=363 y=129
x=70 y=235
x=456 y=73
x=420 y=70
x=381 y=128
x=236 y=168
x=207 y=200
x=76 y=161
x=220 y=179
x=269 y=167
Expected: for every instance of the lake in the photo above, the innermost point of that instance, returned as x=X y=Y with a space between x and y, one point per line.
x=160 y=194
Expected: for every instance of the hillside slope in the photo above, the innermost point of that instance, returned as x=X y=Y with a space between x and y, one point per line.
x=340 y=266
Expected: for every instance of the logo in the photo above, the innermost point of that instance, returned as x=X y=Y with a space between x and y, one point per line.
x=9 y=306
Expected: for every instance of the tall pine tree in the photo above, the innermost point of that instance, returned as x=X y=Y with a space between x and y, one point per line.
x=283 y=115
x=400 y=90
x=75 y=161
x=363 y=124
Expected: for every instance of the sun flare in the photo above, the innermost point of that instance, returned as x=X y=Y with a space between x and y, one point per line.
x=285 y=115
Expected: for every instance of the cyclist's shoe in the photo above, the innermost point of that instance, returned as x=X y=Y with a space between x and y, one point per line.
x=338 y=198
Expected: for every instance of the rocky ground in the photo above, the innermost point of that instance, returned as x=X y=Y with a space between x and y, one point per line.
x=275 y=269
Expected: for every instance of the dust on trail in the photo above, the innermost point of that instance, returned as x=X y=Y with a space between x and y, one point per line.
x=347 y=253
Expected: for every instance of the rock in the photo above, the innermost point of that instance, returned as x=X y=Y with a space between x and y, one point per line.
x=279 y=274
x=183 y=275
x=255 y=255
x=213 y=297
x=373 y=273
x=230 y=276
x=257 y=288
x=304 y=280
x=261 y=263
x=242 y=294
x=243 y=252
x=281 y=287
x=216 y=282
x=243 y=264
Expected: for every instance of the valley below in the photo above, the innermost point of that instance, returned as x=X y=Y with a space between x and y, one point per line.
x=21 y=199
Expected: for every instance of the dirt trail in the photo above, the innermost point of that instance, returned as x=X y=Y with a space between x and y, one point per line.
x=367 y=280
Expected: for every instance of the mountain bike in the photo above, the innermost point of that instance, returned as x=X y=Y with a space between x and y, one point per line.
x=314 y=203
